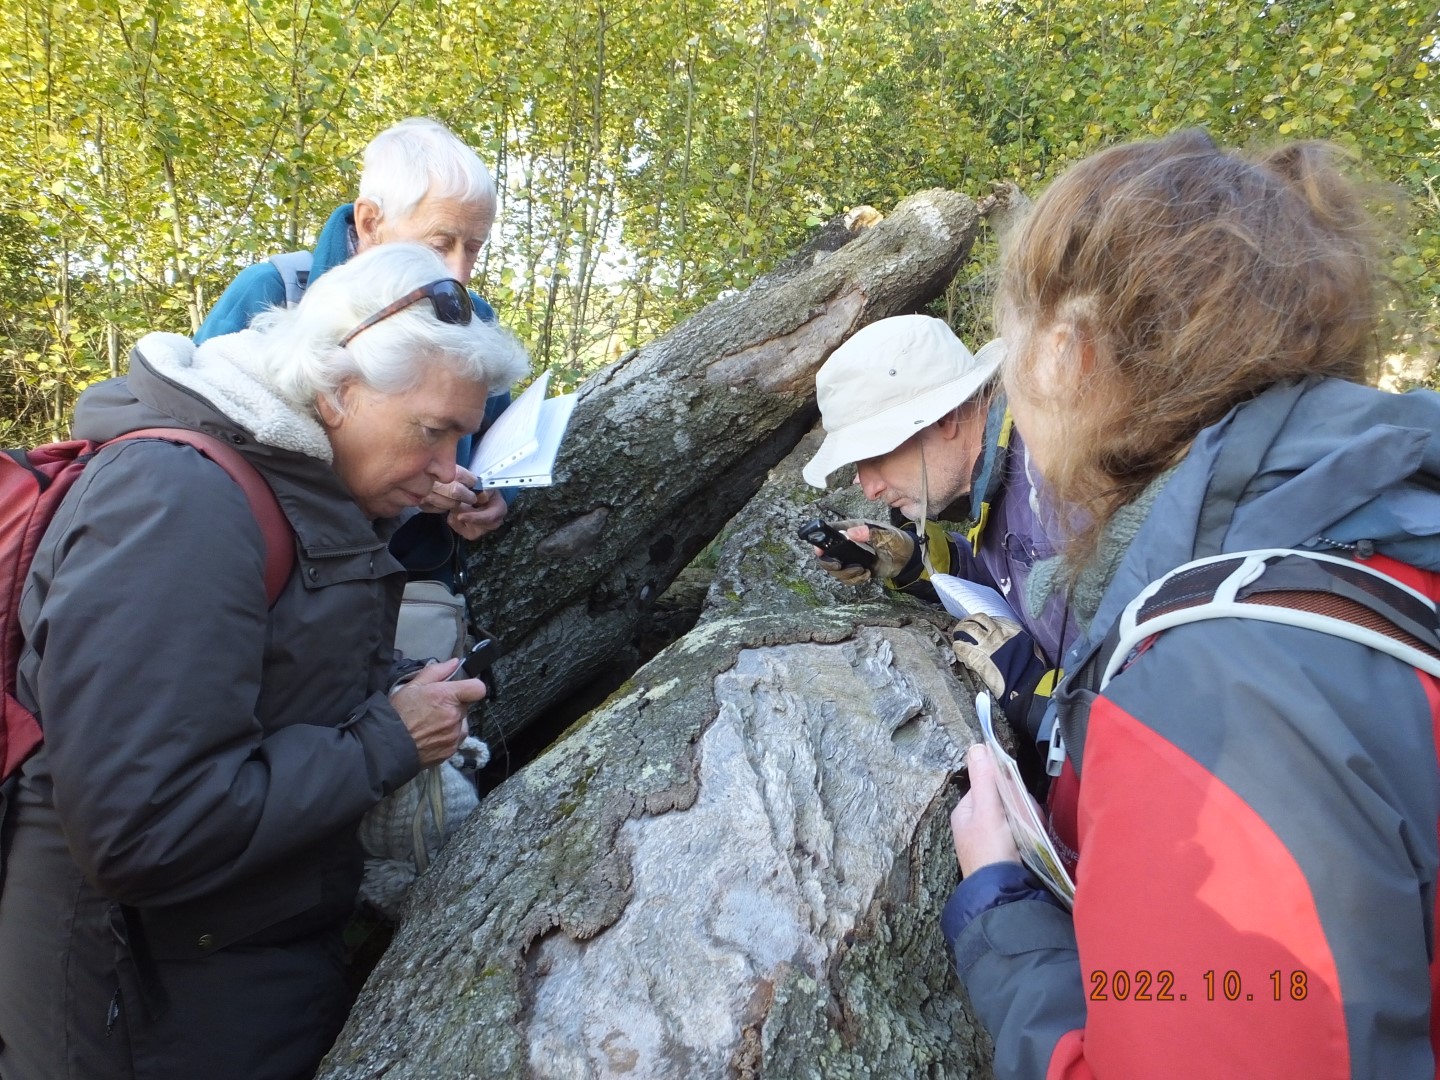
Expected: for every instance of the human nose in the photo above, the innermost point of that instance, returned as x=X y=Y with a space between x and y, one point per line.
x=460 y=264
x=442 y=465
x=869 y=483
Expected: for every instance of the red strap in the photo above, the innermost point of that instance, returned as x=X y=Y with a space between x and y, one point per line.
x=274 y=526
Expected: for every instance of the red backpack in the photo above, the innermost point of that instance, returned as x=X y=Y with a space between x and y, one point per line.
x=32 y=485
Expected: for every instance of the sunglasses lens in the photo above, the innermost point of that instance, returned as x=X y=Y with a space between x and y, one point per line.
x=448 y=297
x=452 y=303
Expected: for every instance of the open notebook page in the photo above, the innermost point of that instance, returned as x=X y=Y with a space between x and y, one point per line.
x=512 y=436
x=963 y=598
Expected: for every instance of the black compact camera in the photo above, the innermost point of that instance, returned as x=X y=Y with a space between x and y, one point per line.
x=836 y=545
x=479 y=661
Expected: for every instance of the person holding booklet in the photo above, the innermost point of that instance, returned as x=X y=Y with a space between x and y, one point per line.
x=924 y=423
x=1249 y=788
x=520 y=449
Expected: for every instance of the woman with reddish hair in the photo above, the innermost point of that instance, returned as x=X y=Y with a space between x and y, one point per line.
x=1247 y=785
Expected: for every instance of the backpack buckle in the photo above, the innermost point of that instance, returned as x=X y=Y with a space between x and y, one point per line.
x=1055 y=756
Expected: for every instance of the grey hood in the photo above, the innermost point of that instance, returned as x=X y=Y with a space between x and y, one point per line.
x=224 y=374
x=1318 y=464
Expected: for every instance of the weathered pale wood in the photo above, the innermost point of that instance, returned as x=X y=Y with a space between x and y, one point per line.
x=672 y=440
x=733 y=868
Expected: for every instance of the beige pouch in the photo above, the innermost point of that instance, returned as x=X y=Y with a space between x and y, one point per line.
x=402 y=833
x=432 y=622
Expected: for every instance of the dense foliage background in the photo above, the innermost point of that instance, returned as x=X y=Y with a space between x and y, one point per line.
x=651 y=154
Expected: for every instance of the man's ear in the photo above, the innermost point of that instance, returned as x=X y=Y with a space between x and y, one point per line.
x=368 y=218
x=948 y=426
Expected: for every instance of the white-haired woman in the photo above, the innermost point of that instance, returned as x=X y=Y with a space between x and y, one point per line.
x=180 y=851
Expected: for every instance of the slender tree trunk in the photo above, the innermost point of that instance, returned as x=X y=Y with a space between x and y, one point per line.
x=757 y=98
x=184 y=275
x=297 y=122
x=682 y=228
x=590 y=200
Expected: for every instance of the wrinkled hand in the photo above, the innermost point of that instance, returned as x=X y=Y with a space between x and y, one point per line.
x=487 y=515
x=977 y=824
x=976 y=640
x=456 y=495
x=434 y=710
x=893 y=548
x=470 y=513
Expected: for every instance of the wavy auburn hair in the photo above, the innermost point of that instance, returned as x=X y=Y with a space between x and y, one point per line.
x=1189 y=279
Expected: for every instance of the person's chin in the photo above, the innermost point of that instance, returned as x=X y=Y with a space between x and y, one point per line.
x=394 y=506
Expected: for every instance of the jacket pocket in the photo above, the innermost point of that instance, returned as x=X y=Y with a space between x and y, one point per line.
x=244 y=911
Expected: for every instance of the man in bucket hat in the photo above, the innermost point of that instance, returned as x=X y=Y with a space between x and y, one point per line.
x=924 y=423
x=905 y=401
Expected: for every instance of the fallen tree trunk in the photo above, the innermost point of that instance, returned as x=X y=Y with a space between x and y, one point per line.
x=671 y=441
x=734 y=867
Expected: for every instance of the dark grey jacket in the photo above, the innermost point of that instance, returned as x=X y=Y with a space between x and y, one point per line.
x=205 y=762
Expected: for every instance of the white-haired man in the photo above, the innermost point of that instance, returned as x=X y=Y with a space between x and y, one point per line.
x=419 y=184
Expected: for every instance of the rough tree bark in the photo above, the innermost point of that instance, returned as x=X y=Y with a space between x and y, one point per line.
x=733 y=868
x=672 y=440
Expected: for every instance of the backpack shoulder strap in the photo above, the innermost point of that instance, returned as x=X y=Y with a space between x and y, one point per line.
x=274 y=526
x=294 y=270
x=1341 y=597
x=1336 y=596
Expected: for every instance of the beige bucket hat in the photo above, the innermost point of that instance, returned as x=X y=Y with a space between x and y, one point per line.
x=889 y=380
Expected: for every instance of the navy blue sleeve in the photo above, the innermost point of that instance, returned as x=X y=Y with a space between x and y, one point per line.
x=990 y=886
x=1021 y=969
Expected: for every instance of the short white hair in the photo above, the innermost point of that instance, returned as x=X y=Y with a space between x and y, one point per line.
x=419 y=157
x=302 y=358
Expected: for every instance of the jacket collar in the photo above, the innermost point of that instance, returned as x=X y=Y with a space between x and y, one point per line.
x=1319 y=463
x=325 y=518
x=224 y=372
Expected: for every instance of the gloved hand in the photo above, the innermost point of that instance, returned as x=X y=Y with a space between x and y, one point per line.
x=893 y=549
x=979 y=643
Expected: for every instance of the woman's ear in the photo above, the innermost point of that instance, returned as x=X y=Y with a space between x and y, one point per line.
x=331 y=411
x=1070 y=351
x=1082 y=346
x=368 y=217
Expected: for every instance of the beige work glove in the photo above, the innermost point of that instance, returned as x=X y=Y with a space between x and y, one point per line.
x=976 y=640
x=893 y=549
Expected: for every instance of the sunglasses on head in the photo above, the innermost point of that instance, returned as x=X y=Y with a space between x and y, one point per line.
x=450 y=299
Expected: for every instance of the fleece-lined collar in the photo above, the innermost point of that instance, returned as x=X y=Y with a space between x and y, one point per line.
x=225 y=372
